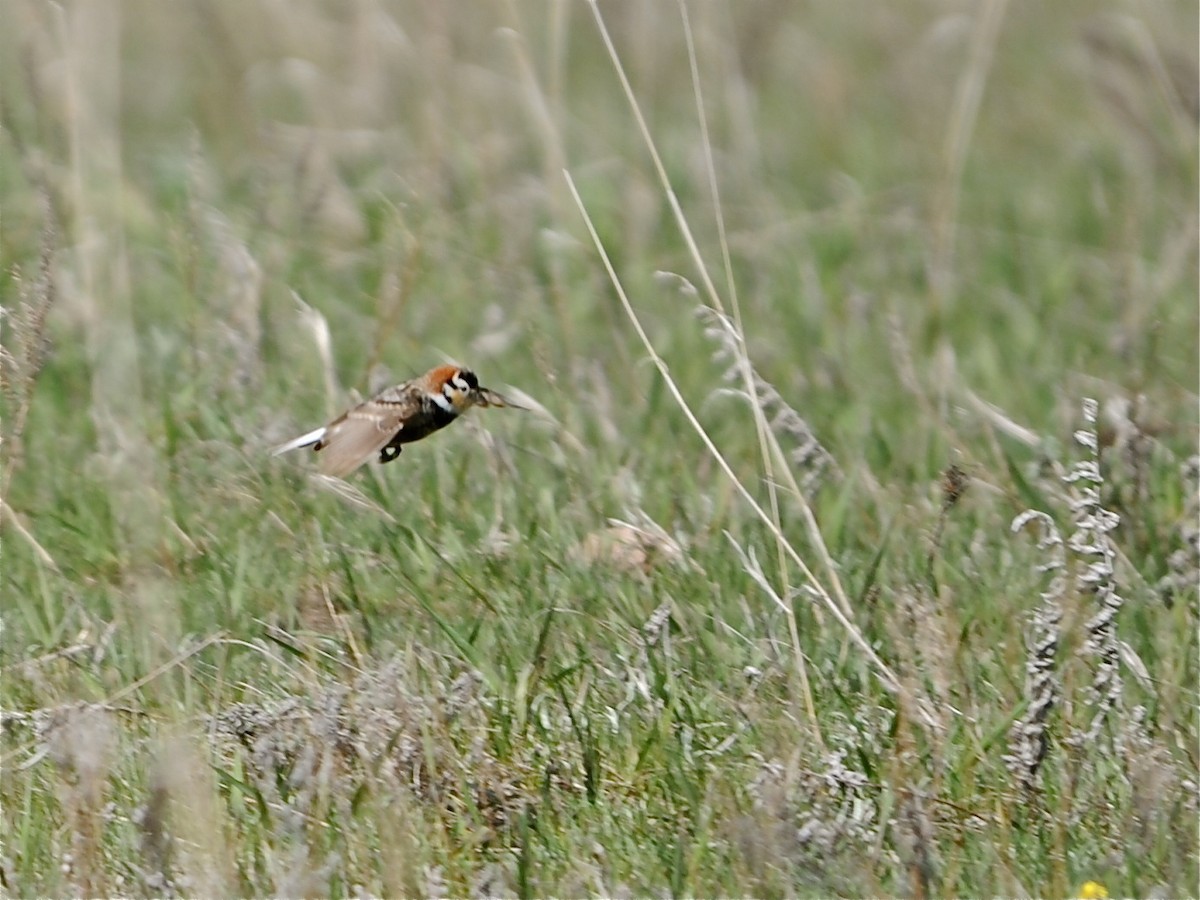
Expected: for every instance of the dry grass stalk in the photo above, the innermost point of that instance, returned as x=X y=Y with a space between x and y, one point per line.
x=772 y=453
x=23 y=361
x=808 y=456
x=839 y=610
x=959 y=131
x=954 y=484
x=9 y=515
x=20 y=366
x=236 y=301
x=1095 y=555
x=312 y=320
x=352 y=495
x=1029 y=740
x=1091 y=544
x=1139 y=81
x=754 y=569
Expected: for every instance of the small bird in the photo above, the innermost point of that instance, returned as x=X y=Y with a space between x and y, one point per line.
x=396 y=416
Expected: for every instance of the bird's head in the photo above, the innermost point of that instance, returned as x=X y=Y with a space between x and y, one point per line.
x=462 y=390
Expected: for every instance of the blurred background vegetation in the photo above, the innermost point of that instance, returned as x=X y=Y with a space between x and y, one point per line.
x=946 y=224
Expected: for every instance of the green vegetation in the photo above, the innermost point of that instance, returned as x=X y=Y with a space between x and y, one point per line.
x=558 y=651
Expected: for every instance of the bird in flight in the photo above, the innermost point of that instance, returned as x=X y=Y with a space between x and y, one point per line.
x=394 y=417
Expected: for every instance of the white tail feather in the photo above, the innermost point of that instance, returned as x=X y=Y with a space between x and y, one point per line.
x=305 y=440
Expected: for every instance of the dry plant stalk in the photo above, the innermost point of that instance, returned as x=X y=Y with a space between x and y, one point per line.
x=20 y=366
x=834 y=597
x=772 y=453
x=887 y=677
x=807 y=456
x=1094 y=549
x=959 y=131
x=954 y=484
x=1029 y=740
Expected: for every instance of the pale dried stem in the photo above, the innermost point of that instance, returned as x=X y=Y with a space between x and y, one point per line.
x=312 y=320
x=545 y=114
x=777 y=452
x=8 y=514
x=958 y=140
x=352 y=495
x=887 y=677
x=743 y=357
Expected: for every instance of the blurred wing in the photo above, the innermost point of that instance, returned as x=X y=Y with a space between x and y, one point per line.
x=362 y=432
x=305 y=440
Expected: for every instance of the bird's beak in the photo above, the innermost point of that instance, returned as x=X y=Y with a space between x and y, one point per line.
x=485 y=397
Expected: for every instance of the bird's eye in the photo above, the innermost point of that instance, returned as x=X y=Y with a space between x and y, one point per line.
x=466 y=380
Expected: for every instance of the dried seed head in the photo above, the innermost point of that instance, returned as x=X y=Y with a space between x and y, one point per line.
x=954 y=484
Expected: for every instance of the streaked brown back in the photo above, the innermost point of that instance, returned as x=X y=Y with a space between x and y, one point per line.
x=361 y=433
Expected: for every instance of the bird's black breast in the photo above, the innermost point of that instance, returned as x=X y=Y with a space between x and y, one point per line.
x=431 y=418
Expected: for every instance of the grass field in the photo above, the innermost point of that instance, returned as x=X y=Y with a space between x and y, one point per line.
x=810 y=301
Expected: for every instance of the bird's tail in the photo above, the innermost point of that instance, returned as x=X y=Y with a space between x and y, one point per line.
x=305 y=440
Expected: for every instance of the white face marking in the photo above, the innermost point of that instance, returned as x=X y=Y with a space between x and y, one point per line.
x=443 y=401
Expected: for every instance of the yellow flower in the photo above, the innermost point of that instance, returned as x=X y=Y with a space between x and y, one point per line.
x=1092 y=890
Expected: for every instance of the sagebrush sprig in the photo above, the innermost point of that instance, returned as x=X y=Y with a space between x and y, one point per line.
x=1029 y=739
x=812 y=461
x=1095 y=551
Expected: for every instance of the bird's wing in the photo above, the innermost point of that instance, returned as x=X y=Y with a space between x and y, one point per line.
x=363 y=431
x=305 y=440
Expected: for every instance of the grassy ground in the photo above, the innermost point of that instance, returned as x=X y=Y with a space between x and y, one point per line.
x=941 y=227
